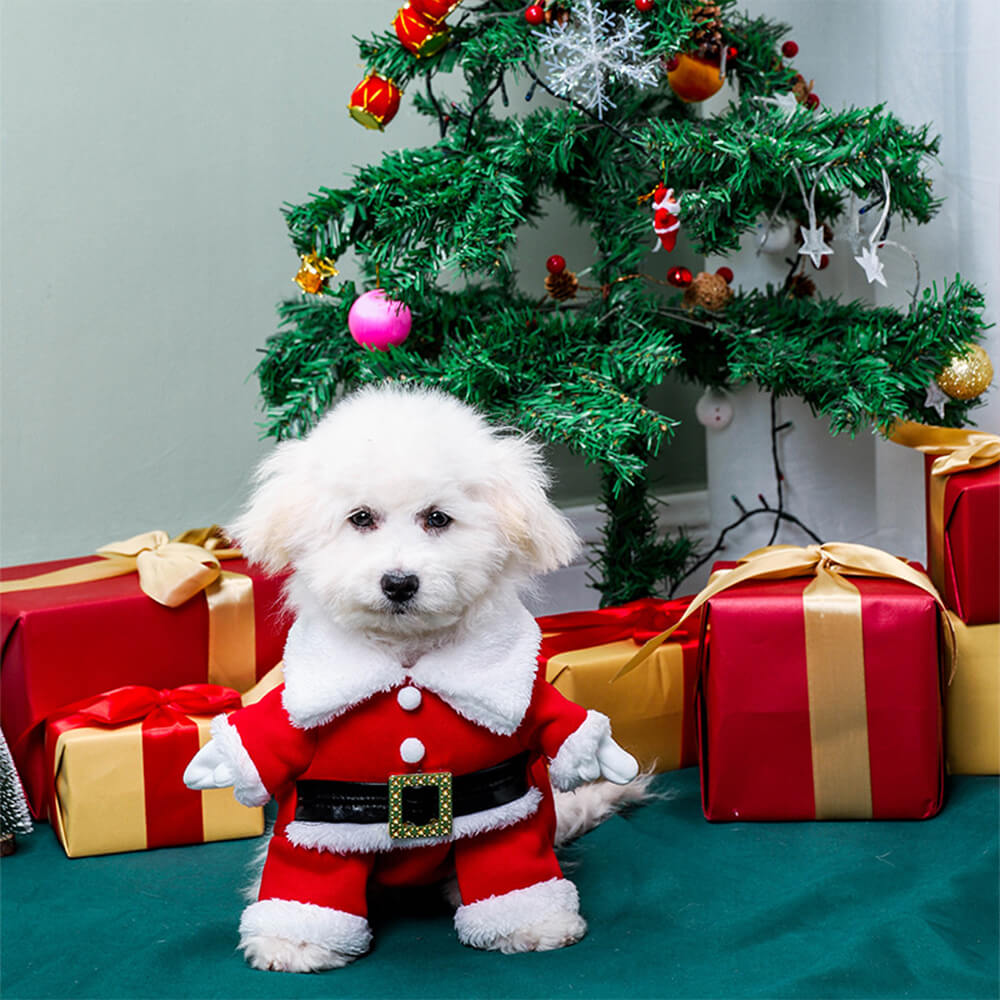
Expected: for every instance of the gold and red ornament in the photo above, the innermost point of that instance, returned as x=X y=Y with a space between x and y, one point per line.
x=560 y=283
x=434 y=11
x=967 y=375
x=314 y=272
x=417 y=34
x=708 y=291
x=666 y=208
x=375 y=101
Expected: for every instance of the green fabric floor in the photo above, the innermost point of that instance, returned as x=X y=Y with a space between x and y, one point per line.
x=677 y=908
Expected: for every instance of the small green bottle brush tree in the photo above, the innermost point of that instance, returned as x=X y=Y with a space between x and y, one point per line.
x=434 y=229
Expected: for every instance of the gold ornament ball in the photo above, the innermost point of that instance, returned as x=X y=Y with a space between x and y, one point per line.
x=968 y=375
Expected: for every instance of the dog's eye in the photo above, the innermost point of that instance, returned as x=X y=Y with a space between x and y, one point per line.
x=437 y=519
x=362 y=518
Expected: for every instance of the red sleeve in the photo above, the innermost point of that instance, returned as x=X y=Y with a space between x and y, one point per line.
x=279 y=750
x=550 y=718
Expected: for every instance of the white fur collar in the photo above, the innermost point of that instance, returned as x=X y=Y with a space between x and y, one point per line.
x=486 y=677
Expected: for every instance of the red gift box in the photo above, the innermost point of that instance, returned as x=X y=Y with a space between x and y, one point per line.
x=820 y=694
x=652 y=713
x=65 y=643
x=963 y=539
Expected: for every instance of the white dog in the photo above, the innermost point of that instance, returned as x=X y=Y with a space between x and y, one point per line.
x=414 y=736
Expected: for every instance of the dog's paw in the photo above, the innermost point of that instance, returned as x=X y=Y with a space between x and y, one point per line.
x=275 y=954
x=557 y=930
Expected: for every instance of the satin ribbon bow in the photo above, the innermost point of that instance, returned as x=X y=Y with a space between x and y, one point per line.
x=154 y=707
x=829 y=563
x=170 y=571
x=638 y=620
x=958 y=449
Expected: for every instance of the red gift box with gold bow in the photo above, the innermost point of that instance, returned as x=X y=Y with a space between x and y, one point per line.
x=122 y=754
x=652 y=710
x=820 y=693
x=150 y=611
x=963 y=516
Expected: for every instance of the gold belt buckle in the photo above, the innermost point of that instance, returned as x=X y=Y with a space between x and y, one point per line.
x=401 y=829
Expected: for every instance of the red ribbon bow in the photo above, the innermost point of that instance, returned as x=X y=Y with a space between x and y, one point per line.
x=638 y=620
x=156 y=708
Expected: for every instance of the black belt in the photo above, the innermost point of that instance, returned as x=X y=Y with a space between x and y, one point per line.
x=414 y=805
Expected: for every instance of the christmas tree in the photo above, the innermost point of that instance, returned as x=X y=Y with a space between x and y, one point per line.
x=14 y=815
x=624 y=144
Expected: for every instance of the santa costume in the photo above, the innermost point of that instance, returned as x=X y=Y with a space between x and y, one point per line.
x=350 y=715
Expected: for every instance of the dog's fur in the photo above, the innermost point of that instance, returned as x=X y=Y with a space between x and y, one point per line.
x=399 y=454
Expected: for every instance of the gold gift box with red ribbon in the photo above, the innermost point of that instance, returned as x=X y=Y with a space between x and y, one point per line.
x=151 y=610
x=116 y=765
x=652 y=710
x=820 y=693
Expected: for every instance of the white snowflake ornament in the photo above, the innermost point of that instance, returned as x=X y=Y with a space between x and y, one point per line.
x=592 y=49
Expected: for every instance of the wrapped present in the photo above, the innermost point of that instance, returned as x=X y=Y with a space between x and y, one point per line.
x=116 y=765
x=652 y=710
x=972 y=701
x=149 y=611
x=820 y=694
x=963 y=516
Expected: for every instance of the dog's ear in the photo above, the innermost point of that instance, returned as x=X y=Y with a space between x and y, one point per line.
x=277 y=508
x=542 y=537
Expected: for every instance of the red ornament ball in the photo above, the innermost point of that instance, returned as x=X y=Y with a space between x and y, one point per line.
x=732 y=53
x=644 y=6
x=679 y=277
x=812 y=101
x=556 y=264
x=726 y=273
x=790 y=49
x=535 y=14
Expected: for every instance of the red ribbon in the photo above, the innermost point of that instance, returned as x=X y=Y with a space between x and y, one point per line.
x=169 y=740
x=638 y=620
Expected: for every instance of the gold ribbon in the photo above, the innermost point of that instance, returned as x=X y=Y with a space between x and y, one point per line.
x=172 y=571
x=835 y=667
x=957 y=450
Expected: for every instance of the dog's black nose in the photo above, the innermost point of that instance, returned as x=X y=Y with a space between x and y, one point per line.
x=400 y=587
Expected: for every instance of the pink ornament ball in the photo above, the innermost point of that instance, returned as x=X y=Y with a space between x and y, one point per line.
x=377 y=321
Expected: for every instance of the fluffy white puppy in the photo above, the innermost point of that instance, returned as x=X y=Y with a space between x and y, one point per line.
x=414 y=736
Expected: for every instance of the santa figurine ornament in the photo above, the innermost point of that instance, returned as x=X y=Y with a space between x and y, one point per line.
x=666 y=208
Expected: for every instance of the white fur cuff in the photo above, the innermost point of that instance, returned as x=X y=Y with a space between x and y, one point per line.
x=248 y=788
x=579 y=750
x=336 y=930
x=484 y=923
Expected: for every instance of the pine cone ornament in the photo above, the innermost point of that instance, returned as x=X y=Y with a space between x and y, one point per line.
x=801 y=287
x=708 y=291
x=706 y=38
x=562 y=285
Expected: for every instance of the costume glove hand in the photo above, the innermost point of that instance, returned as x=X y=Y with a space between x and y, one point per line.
x=208 y=769
x=616 y=764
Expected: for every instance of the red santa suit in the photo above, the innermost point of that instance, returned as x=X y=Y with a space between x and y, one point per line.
x=350 y=711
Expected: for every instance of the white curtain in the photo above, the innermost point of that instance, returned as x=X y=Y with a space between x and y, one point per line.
x=929 y=61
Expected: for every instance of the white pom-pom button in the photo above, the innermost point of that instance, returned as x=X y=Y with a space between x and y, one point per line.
x=412 y=750
x=409 y=698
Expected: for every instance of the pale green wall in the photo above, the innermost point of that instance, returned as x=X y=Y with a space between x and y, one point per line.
x=147 y=147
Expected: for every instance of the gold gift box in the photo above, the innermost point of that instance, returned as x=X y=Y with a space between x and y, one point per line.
x=651 y=709
x=99 y=801
x=972 y=701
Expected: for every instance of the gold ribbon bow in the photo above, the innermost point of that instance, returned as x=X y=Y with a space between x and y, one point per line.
x=957 y=450
x=835 y=665
x=171 y=571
